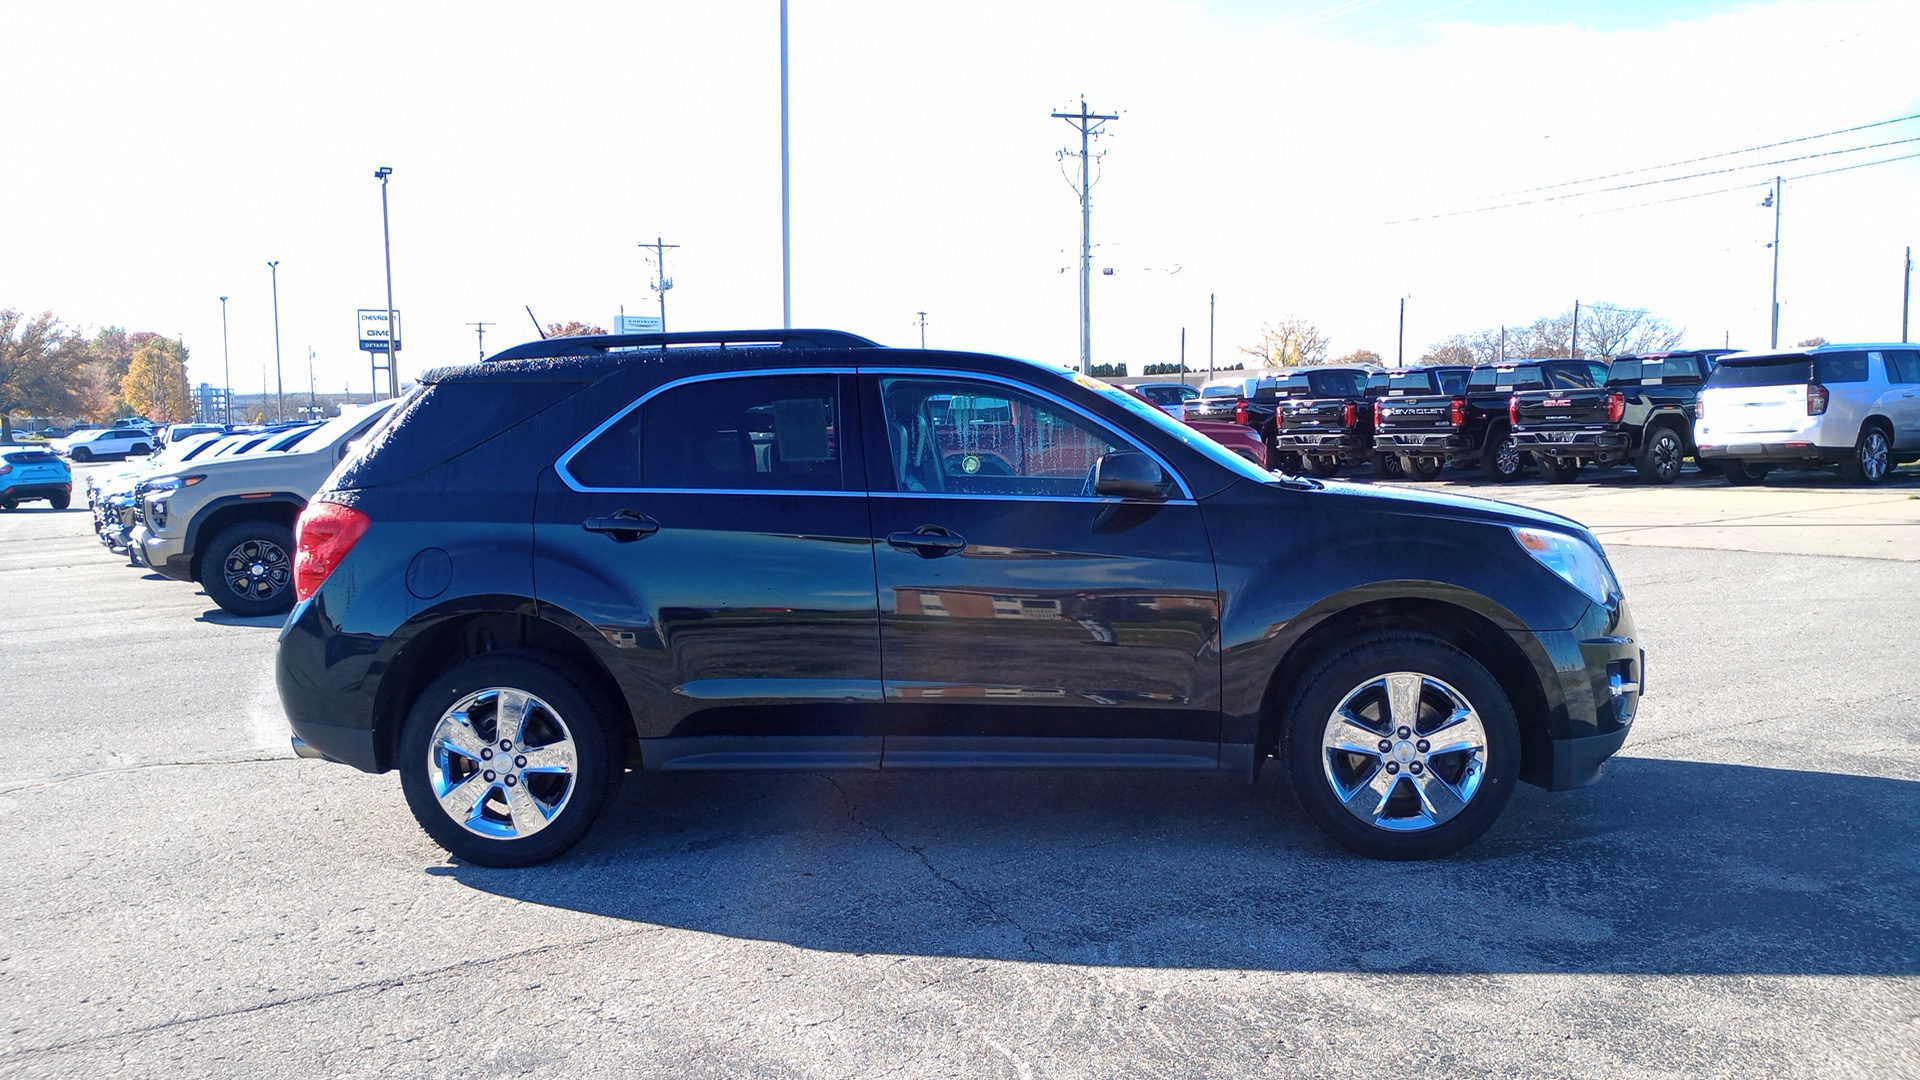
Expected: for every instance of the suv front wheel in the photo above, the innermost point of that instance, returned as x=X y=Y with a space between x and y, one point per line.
x=249 y=569
x=1872 y=459
x=1401 y=747
x=507 y=759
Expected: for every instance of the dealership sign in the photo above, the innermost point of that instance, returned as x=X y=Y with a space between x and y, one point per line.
x=373 y=331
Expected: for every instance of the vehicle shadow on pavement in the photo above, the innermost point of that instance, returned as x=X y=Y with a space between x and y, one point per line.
x=1665 y=867
x=222 y=617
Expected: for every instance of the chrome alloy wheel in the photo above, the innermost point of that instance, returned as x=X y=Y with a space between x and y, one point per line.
x=1404 y=752
x=1506 y=456
x=258 y=569
x=502 y=763
x=1875 y=456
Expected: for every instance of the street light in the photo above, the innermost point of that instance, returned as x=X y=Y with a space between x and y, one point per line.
x=226 y=357
x=279 y=380
x=393 y=330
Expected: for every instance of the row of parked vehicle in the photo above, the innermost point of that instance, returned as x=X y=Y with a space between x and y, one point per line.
x=1851 y=407
x=219 y=508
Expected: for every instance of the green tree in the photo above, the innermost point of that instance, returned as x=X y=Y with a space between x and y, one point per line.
x=1293 y=342
x=40 y=367
x=155 y=385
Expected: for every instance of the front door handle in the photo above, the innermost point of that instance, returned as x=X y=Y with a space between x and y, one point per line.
x=624 y=526
x=928 y=542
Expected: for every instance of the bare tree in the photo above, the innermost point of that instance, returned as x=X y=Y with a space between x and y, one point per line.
x=1606 y=330
x=1294 y=342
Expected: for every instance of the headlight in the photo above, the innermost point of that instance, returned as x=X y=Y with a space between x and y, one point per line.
x=162 y=485
x=1575 y=560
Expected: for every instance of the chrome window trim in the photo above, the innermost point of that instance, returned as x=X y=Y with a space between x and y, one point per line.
x=566 y=476
x=1186 y=493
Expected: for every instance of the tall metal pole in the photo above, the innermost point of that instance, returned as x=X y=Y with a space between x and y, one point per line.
x=313 y=403
x=1773 y=340
x=661 y=282
x=1906 y=294
x=1089 y=125
x=1210 y=311
x=279 y=377
x=226 y=357
x=1573 y=339
x=923 y=329
x=393 y=325
x=1400 y=358
x=786 y=205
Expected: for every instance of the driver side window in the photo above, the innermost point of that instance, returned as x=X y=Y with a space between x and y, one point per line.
x=961 y=437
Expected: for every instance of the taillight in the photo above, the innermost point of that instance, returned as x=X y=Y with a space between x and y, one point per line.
x=326 y=532
x=1457 y=414
x=1349 y=415
x=1816 y=399
x=1377 y=412
x=5 y=468
x=1513 y=410
x=1240 y=411
x=1616 y=407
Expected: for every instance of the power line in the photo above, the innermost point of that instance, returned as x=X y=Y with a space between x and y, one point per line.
x=1707 y=157
x=1767 y=183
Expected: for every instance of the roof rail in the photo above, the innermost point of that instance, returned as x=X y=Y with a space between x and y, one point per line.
x=600 y=344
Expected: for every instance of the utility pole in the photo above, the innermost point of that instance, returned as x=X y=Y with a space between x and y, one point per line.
x=313 y=403
x=786 y=202
x=661 y=282
x=1089 y=125
x=923 y=329
x=1906 y=294
x=1773 y=200
x=1210 y=310
x=480 y=328
x=1400 y=359
x=393 y=324
x=279 y=376
x=1573 y=340
x=226 y=358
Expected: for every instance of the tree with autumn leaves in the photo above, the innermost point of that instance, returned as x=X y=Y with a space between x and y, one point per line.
x=49 y=369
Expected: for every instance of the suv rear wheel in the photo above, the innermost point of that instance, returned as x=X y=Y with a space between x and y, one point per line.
x=1401 y=747
x=1872 y=459
x=1659 y=460
x=249 y=569
x=507 y=759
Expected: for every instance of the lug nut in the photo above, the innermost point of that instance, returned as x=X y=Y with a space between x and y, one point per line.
x=520 y=762
x=486 y=753
x=487 y=776
x=1393 y=768
x=507 y=745
x=1404 y=732
x=1386 y=746
x=1413 y=768
x=1423 y=746
x=511 y=780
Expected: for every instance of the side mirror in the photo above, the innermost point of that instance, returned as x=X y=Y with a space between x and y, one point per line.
x=1129 y=475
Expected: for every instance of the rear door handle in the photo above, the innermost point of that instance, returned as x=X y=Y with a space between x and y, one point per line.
x=928 y=542
x=624 y=526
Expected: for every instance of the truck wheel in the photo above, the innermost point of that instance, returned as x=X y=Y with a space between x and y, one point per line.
x=1420 y=468
x=248 y=569
x=1323 y=467
x=1742 y=472
x=507 y=759
x=1555 y=471
x=1401 y=747
x=1872 y=459
x=1500 y=458
x=1287 y=462
x=1659 y=460
x=1388 y=467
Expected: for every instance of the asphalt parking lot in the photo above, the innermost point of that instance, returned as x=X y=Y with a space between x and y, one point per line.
x=1739 y=896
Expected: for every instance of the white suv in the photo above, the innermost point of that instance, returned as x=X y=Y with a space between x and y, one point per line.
x=1855 y=406
x=115 y=442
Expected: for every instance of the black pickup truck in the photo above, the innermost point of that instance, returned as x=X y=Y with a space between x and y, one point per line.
x=1643 y=413
x=1473 y=426
x=1320 y=418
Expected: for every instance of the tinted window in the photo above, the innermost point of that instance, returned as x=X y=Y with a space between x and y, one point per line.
x=758 y=432
x=1572 y=378
x=1337 y=383
x=1627 y=371
x=969 y=438
x=1903 y=367
x=1841 y=367
x=1526 y=377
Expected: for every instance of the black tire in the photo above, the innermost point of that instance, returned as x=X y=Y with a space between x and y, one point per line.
x=81 y=453
x=8 y=504
x=248 y=569
x=1742 y=472
x=1500 y=458
x=1872 y=459
x=453 y=724
x=1288 y=462
x=1388 y=467
x=1659 y=460
x=1323 y=467
x=1557 y=473
x=141 y=448
x=60 y=502
x=1420 y=468
x=1463 y=789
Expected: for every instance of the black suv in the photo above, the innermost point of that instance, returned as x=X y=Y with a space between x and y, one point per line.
x=796 y=549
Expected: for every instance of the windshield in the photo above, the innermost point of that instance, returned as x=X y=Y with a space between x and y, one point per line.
x=1174 y=429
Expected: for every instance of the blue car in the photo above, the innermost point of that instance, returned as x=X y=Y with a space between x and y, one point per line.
x=28 y=473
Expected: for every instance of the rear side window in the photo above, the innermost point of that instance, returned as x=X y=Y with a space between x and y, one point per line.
x=1763 y=373
x=749 y=433
x=1841 y=367
x=1903 y=367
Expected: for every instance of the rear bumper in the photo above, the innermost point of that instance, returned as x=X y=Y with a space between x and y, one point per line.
x=1572 y=443
x=1321 y=442
x=1771 y=451
x=1423 y=442
x=41 y=490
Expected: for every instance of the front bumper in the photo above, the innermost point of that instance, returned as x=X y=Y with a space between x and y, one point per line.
x=1600 y=674
x=166 y=554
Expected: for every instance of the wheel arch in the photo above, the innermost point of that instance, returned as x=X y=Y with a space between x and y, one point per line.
x=281 y=508
x=1465 y=629
x=455 y=638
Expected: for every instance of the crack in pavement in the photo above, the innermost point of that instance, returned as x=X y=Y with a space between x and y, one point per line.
x=920 y=853
x=391 y=982
x=240 y=757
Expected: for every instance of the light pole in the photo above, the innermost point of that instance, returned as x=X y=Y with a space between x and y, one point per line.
x=279 y=380
x=786 y=212
x=1773 y=200
x=393 y=328
x=226 y=357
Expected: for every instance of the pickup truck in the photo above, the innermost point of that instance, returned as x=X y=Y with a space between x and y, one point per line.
x=1643 y=413
x=1317 y=419
x=1473 y=426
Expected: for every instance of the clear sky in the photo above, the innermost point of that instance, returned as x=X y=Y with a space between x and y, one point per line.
x=1309 y=158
